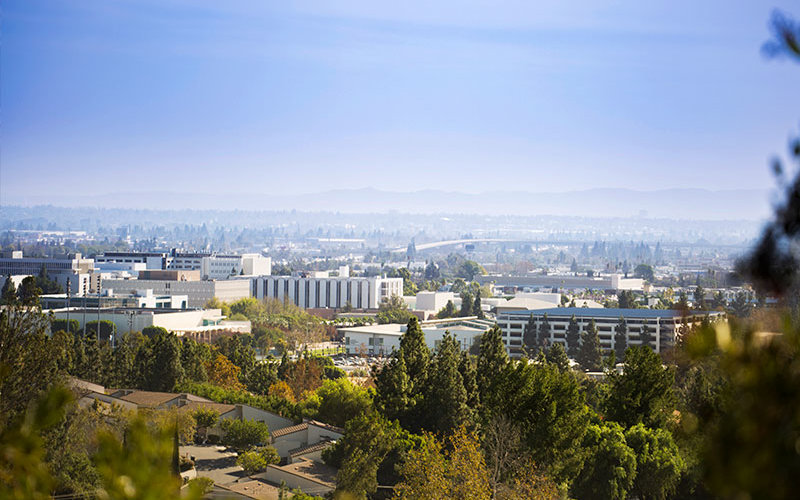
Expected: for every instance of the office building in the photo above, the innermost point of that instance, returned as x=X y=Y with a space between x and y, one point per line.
x=328 y=292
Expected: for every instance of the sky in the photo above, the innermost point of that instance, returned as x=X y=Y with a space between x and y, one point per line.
x=199 y=96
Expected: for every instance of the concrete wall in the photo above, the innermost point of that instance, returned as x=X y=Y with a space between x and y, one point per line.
x=276 y=475
x=317 y=434
x=273 y=421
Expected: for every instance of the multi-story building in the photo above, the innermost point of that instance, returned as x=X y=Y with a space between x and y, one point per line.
x=198 y=292
x=611 y=282
x=72 y=272
x=383 y=339
x=110 y=298
x=328 y=292
x=211 y=266
x=664 y=326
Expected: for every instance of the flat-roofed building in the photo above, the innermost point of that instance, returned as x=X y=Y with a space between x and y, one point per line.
x=198 y=292
x=664 y=325
x=328 y=292
x=383 y=339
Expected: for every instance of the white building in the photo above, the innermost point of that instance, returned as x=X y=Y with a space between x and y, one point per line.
x=73 y=272
x=383 y=339
x=211 y=265
x=433 y=301
x=198 y=292
x=109 y=298
x=328 y=292
x=664 y=325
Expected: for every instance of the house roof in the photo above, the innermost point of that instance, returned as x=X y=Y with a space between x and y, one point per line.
x=221 y=408
x=150 y=398
x=322 y=474
x=310 y=448
x=323 y=425
x=289 y=430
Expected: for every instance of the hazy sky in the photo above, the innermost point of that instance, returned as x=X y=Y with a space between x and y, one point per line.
x=279 y=97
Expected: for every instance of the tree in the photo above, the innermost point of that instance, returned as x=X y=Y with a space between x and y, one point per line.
x=544 y=333
x=469 y=269
x=393 y=310
x=448 y=311
x=434 y=471
x=244 y=435
x=445 y=397
x=589 y=356
x=645 y=336
x=469 y=374
x=29 y=292
x=610 y=467
x=205 y=418
x=477 y=309
x=492 y=363
x=530 y=336
x=620 y=338
x=400 y=384
x=466 y=305
x=72 y=326
x=626 y=300
x=699 y=298
x=252 y=462
x=164 y=366
x=262 y=376
x=194 y=356
x=643 y=392
x=558 y=357
x=222 y=372
x=659 y=464
x=573 y=338
x=8 y=296
x=645 y=272
x=341 y=401
x=103 y=329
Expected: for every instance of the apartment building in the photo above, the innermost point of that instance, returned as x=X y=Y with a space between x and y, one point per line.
x=328 y=292
x=664 y=325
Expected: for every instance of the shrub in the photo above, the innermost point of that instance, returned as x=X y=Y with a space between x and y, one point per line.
x=243 y=435
x=202 y=485
x=252 y=462
x=213 y=439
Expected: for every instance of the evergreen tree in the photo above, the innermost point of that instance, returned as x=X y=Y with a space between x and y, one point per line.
x=466 y=305
x=610 y=468
x=699 y=298
x=470 y=377
x=558 y=357
x=492 y=362
x=476 y=306
x=544 y=333
x=165 y=362
x=620 y=338
x=393 y=389
x=28 y=292
x=445 y=397
x=643 y=392
x=647 y=338
x=573 y=338
x=9 y=294
x=448 y=311
x=92 y=369
x=194 y=355
x=530 y=338
x=589 y=355
x=122 y=372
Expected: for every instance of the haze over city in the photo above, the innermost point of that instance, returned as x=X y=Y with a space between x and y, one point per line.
x=256 y=98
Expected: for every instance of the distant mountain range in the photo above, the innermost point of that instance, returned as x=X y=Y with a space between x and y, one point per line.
x=698 y=204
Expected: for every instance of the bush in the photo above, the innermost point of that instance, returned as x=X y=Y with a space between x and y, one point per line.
x=243 y=435
x=213 y=439
x=252 y=462
x=61 y=325
x=202 y=485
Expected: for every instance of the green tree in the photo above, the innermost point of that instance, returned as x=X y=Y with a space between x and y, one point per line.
x=194 y=356
x=699 y=298
x=204 y=419
x=646 y=335
x=530 y=336
x=469 y=269
x=645 y=272
x=469 y=374
x=466 y=305
x=244 y=435
x=492 y=363
x=626 y=300
x=543 y=339
x=72 y=326
x=252 y=462
x=341 y=401
x=573 y=338
x=164 y=368
x=29 y=292
x=393 y=310
x=445 y=396
x=659 y=464
x=153 y=331
x=558 y=357
x=620 y=338
x=589 y=356
x=477 y=309
x=103 y=330
x=610 y=467
x=8 y=296
x=448 y=311
x=643 y=392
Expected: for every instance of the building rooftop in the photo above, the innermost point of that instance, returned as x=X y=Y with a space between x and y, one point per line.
x=289 y=430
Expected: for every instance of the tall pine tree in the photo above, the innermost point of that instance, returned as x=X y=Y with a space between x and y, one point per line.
x=544 y=333
x=589 y=355
x=573 y=337
x=620 y=338
x=445 y=398
x=646 y=337
x=492 y=362
x=530 y=337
